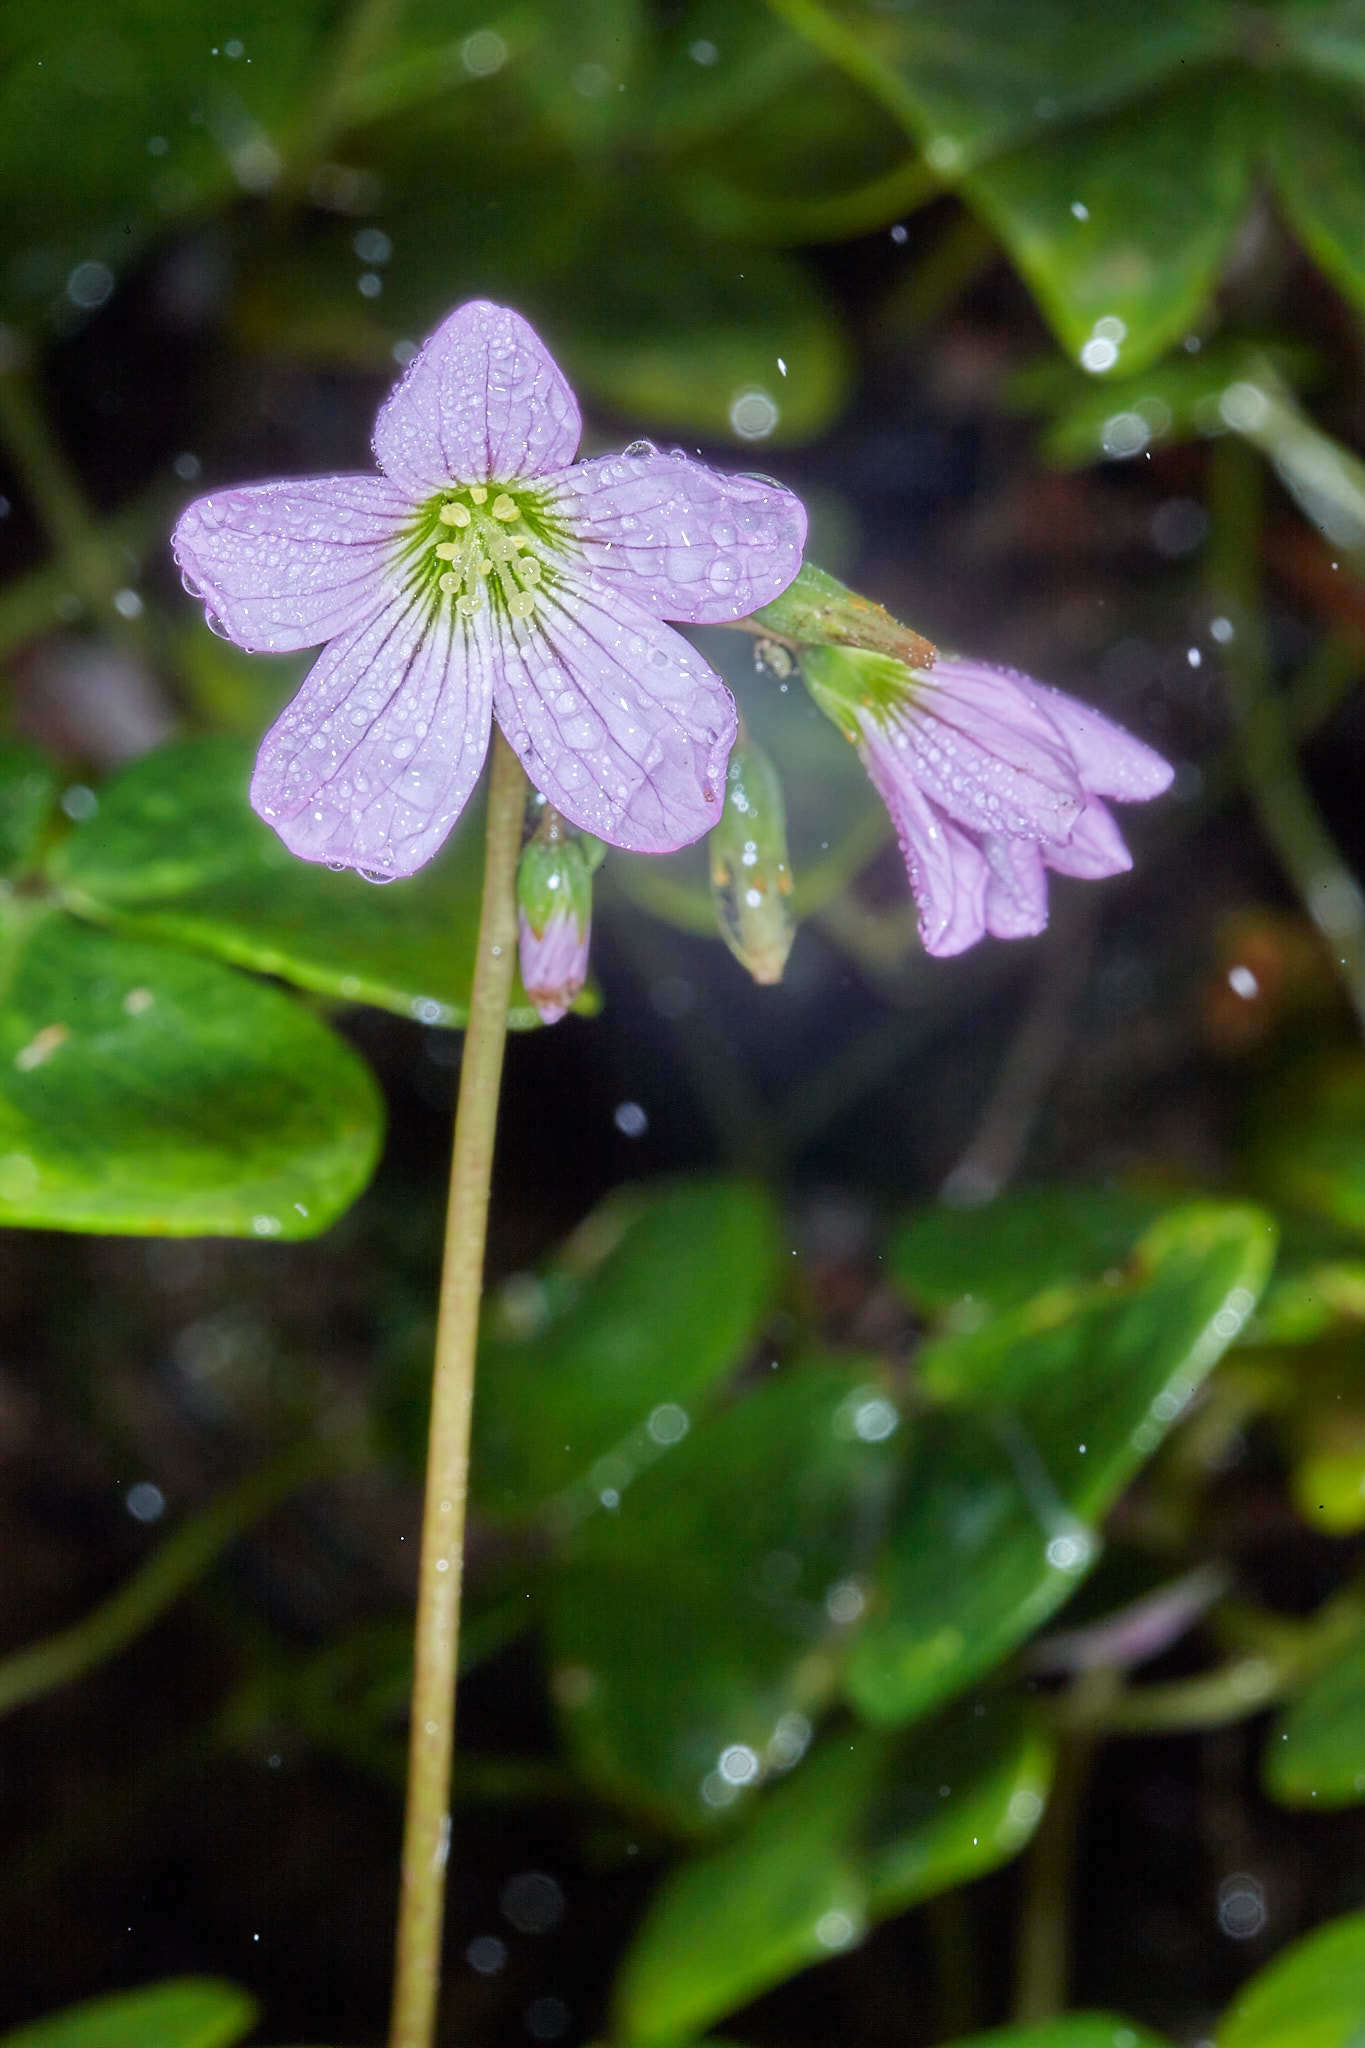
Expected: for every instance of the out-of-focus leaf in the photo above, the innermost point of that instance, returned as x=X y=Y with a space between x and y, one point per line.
x=28 y=790
x=185 y=2012
x=144 y=1089
x=1315 y=1752
x=982 y=77
x=697 y=1628
x=1317 y=144
x=1308 y=1138
x=176 y=852
x=970 y=1264
x=862 y=1830
x=1312 y=1996
x=118 y=120
x=1120 y=226
x=1073 y=2030
x=1053 y=1407
x=659 y=1295
x=667 y=328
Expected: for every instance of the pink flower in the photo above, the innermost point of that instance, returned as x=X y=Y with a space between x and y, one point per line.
x=484 y=574
x=554 y=917
x=991 y=779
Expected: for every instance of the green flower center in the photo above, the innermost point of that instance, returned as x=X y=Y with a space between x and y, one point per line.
x=482 y=544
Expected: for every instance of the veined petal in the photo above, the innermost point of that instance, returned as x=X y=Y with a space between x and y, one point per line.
x=947 y=869
x=680 y=540
x=289 y=565
x=554 y=964
x=980 y=749
x=1016 y=893
x=374 y=760
x=1095 y=848
x=615 y=718
x=482 y=398
x=1109 y=761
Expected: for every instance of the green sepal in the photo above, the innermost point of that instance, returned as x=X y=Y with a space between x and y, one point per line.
x=816 y=609
x=554 y=879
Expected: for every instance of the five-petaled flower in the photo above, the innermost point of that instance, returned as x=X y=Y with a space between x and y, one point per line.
x=991 y=779
x=486 y=574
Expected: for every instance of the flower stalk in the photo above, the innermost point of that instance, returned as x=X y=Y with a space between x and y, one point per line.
x=426 y=1828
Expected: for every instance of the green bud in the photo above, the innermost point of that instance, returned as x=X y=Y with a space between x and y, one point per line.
x=751 y=878
x=554 y=917
x=816 y=609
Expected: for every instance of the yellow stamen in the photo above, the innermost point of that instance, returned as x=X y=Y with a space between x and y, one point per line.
x=478 y=492
x=504 y=507
x=455 y=515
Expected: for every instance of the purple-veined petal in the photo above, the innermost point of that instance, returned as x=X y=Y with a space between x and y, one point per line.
x=289 y=565
x=1095 y=848
x=374 y=760
x=482 y=398
x=615 y=719
x=1109 y=761
x=554 y=965
x=1016 y=893
x=680 y=540
x=947 y=870
x=982 y=752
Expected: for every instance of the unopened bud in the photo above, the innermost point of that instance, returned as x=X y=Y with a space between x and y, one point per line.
x=751 y=877
x=554 y=919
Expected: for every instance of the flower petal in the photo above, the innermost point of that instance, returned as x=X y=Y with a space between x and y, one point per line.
x=682 y=541
x=1109 y=761
x=1095 y=848
x=947 y=870
x=289 y=565
x=554 y=965
x=374 y=760
x=482 y=398
x=980 y=749
x=1016 y=894
x=616 y=719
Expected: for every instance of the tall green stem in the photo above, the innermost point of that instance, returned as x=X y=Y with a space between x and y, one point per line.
x=426 y=1830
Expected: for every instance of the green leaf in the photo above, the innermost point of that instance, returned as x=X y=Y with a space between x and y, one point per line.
x=667 y=328
x=658 y=1296
x=1120 y=226
x=1315 y=1752
x=145 y=1090
x=1317 y=144
x=982 y=77
x=118 y=120
x=697 y=1628
x=1054 y=1406
x=28 y=791
x=185 y=2012
x=971 y=1264
x=1073 y=2030
x=1312 y=1996
x=175 y=851
x=862 y=1830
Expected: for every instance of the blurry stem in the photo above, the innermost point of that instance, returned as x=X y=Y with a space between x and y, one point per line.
x=92 y=567
x=426 y=1828
x=1265 y=740
x=363 y=36
x=1043 y=1962
x=180 y=1560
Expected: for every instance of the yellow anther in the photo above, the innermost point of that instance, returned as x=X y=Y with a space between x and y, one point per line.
x=521 y=604
x=504 y=507
x=455 y=515
x=478 y=492
x=449 y=582
x=446 y=550
x=469 y=601
x=484 y=565
x=502 y=548
x=529 y=570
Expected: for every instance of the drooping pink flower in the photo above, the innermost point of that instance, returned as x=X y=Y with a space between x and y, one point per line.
x=991 y=779
x=484 y=574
